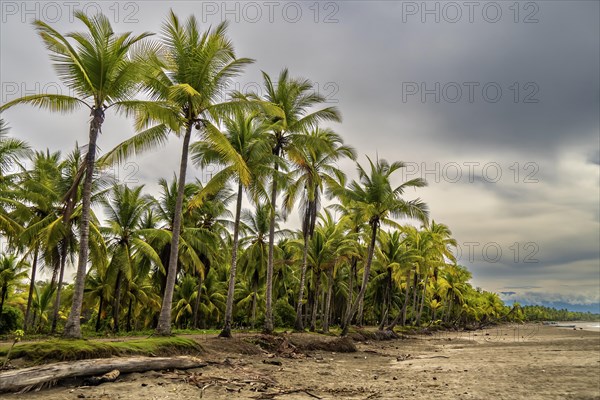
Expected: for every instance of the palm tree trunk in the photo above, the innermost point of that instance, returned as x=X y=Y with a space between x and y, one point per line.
x=254 y=308
x=298 y=325
x=406 y=297
x=99 y=312
x=117 y=302
x=365 y=281
x=26 y=323
x=353 y=263
x=450 y=305
x=313 y=318
x=63 y=261
x=164 y=320
x=226 y=332
x=402 y=313
x=72 y=327
x=268 y=328
x=328 y=300
x=197 y=302
x=422 y=300
x=33 y=319
x=387 y=299
x=2 y=297
x=128 y=327
x=415 y=293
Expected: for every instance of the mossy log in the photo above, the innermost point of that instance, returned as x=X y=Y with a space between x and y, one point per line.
x=26 y=378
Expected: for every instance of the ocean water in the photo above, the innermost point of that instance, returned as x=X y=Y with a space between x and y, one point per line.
x=586 y=326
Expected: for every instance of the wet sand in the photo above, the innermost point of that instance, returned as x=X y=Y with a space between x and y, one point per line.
x=509 y=362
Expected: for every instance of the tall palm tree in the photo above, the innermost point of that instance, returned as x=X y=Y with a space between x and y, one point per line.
x=315 y=167
x=39 y=194
x=247 y=135
x=98 y=68
x=378 y=200
x=295 y=97
x=185 y=80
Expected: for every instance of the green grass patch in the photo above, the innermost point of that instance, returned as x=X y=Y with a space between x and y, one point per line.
x=67 y=350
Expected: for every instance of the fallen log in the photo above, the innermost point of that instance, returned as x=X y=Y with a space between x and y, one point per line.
x=26 y=378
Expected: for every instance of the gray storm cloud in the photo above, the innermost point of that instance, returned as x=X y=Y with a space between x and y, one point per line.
x=516 y=91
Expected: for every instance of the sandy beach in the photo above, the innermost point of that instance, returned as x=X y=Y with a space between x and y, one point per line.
x=508 y=362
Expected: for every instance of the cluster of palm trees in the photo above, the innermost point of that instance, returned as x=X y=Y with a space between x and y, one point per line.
x=182 y=257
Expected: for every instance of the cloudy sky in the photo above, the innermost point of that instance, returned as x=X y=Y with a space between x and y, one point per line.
x=496 y=104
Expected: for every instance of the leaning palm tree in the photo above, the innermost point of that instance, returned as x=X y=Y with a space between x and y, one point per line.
x=315 y=166
x=247 y=135
x=378 y=201
x=294 y=97
x=98 y=68
x=185 y=80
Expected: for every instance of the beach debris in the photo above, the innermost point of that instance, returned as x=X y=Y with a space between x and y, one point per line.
x=25 y=379
x=97 y=380
x=274 y=361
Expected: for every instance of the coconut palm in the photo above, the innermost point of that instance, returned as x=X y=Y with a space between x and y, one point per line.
x=41 y=305
x=185 y=79
x=247 y=135
x=11 y=150
x=394 y=257
x=435 y=254
x=314 y=166
x=98 y=68
x=12 y=272
x=253 y=261
x=378 y=200
x=124 y=210
x=295 y=97
x=50 y=211
x=39 y=195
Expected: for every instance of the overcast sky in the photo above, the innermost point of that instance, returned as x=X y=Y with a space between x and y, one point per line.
x=496 y=104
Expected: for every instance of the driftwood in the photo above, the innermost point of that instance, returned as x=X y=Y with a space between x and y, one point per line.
x=27 y=378
x=107 y=377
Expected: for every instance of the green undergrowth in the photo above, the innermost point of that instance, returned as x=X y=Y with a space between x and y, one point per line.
x=68 y=350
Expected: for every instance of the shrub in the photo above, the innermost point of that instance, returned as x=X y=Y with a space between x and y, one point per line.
x=284 y=314
x=11 y=319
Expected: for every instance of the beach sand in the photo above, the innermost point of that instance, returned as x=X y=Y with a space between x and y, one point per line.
x=507 y=362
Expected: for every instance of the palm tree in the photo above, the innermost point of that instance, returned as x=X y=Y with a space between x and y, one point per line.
x=315 y=166
x=41 y=304
x=395 y=257
x=330 y=247
x=435 y=255
x=378 y=200
x=294 y=97
x=124 y=210
x=253 y=261
x=50 y=210
x=12 y=271
x=204 y=236
x=185 y=79
x=247 y=135
x=11 y=150
x=39 y=195
x=99 y=69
